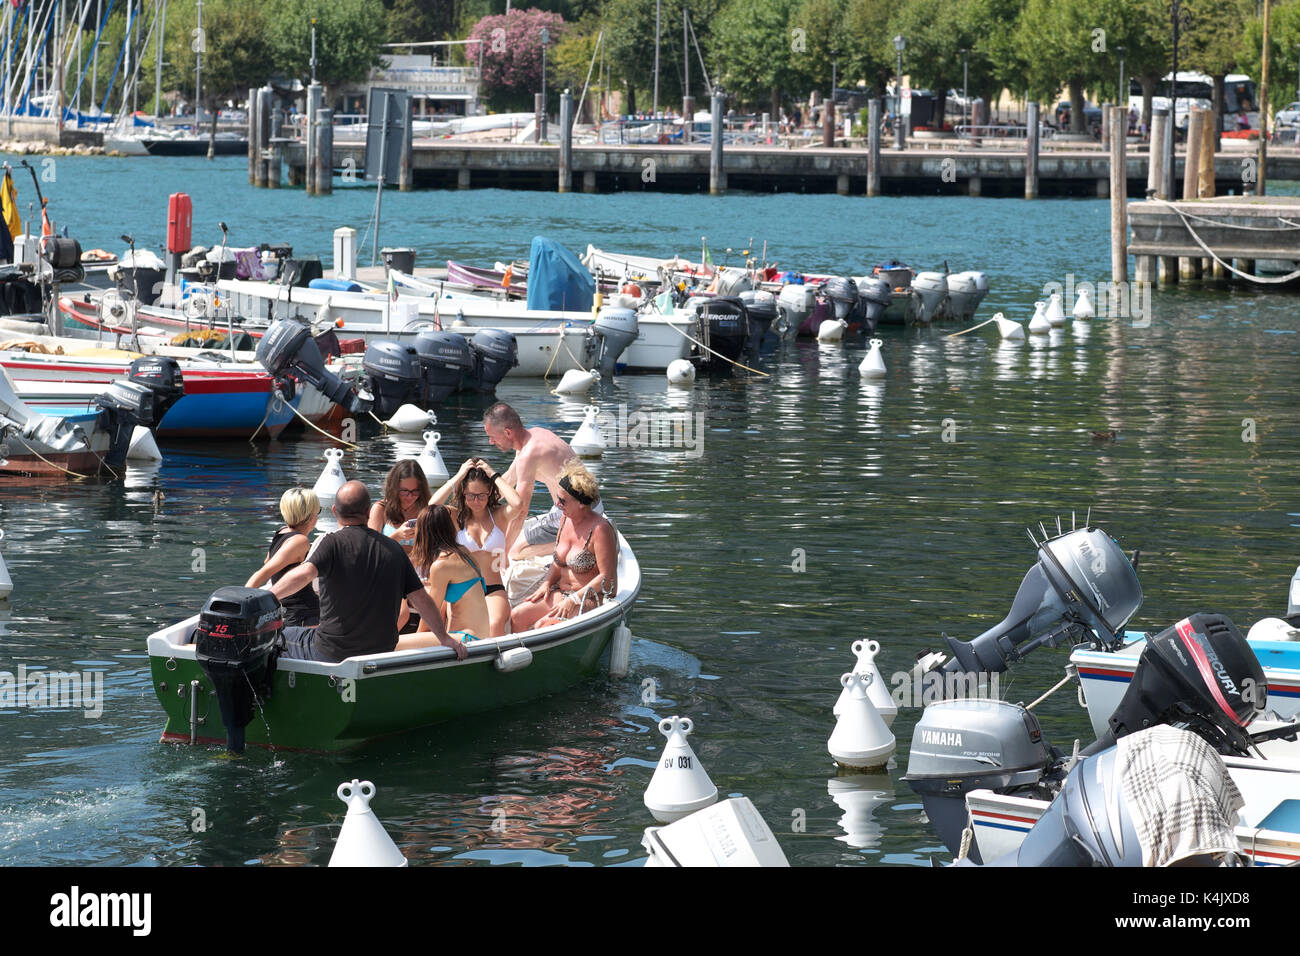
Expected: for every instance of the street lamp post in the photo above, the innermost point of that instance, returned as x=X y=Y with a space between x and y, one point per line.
x=965 y=97
x=546 y=38
x=899 y=133
x=830 y=104
x=1121 y=96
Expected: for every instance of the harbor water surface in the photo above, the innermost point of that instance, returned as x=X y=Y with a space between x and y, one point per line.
x=818 y=510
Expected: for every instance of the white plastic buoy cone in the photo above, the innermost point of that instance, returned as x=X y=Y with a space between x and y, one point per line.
x=1265 y=629
x=409 y=418
x=877 y=693
x=680 y=786
x=1039 y=325
x=575 y=381
x=1055 y=314
x=331 y=478
x=430 y=459
x=873 y=366
x=1009 y=328
x=143 y=447
x=620 y=651
x=860 y=738
x=1083 y=307
x=681 y=373
x=587 y=441
x=831 y=330
x=363 y=840
x=6 y=582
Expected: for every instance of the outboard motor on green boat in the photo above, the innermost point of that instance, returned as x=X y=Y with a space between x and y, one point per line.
x=496 y=352
x=237 y=643
x=154 y=385
x=288 y=348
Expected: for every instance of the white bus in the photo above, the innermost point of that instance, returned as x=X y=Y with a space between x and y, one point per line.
x=1240 y=104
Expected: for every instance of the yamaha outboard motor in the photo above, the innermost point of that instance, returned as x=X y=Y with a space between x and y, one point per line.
x=760 y=307
x=236 y=643
x=1083 y=588
x=842 y=293
x=446 y=359
x=153 y=386
x=874 y=297
x=392 y=373
x=612 y=332
x=722 y=326
x=288 y=348
x=495 y=353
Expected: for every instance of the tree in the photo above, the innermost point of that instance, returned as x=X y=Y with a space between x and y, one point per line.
x=756 y=45
x=349 y=38
x=1056 y=42
x=868 y=44
x=512 y=54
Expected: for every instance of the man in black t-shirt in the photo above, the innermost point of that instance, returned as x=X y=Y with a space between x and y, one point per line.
x=364 y=576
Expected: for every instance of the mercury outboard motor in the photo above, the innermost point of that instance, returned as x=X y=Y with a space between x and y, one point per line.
x=874 y=297
x=842 y=293
x=237 y=642
x=722 y=326
x=446 y=359
x=495 y=353
x=287 y=348
x=612 y=332
x=154 y=385
x=392 y=373
x=760 y=308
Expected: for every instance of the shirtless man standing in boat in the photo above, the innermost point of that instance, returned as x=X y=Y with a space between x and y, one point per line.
x=540 y=455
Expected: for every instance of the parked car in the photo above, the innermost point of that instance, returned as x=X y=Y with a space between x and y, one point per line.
x=1289 y=116
x=1091 y=116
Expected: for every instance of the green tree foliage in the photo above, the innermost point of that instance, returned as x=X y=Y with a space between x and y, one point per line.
x=756 y=47
x=349 y=38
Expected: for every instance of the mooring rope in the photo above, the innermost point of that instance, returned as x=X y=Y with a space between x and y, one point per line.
x=1262 y=280
x=718 y=354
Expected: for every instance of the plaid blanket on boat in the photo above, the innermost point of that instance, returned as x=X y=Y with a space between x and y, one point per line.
x=1180 y=795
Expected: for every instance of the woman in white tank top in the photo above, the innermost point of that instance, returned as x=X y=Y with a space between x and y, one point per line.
x=489 y=514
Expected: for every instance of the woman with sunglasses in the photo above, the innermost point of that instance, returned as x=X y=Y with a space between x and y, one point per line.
x=584 y=571
x=289 y=547
x=406 y=492
x=488 y=511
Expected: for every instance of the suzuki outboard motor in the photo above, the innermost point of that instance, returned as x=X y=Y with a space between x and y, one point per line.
x=393 y=375
x=495 y=353
x=1083 y=588
x=964 y=745
x=237 y=643
x=760 y=307
x=154 y=386
x=446 y=359
x=287 y=347
x=842 y=293
x=612 y=332
x=874 y=297
x=722 y=325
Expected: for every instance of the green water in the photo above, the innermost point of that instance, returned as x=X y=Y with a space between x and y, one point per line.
x=901 y=534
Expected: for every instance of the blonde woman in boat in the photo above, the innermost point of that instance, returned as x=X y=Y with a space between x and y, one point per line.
x=451 y=578
x=489 y=514
x=584 y=572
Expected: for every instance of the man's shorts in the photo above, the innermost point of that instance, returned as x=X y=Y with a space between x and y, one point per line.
x=543 y=528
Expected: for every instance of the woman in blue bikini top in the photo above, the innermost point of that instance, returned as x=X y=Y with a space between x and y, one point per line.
x=452 y=579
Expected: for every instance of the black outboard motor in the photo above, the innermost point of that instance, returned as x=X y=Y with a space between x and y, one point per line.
x=495 y=353
x=760 y=308
x=237 y=643
x=612 y=332
x=842 y=293
x=64 y=256
x=446 y=359
x=287 y=347
x=154 y=385
x=1083 y=588
x=874 y=297
x=393 y=375
x=722 y=325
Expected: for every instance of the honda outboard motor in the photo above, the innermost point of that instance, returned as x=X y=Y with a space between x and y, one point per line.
x=495 y=353
x=722 y=326
x=1083 y=588
x=288 y=348
x=393 y=375
x=971 y=744
x=842 y=293
x=236 y=643
x=793 y=306
x=612 y=332
x=154 y=385
x=446 y=359
x=760 y=307
x=874 y=297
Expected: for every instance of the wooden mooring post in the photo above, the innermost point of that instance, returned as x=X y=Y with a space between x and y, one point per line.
x=1146 y=266
x=566 y=142
x=314 y=94
x=1118 y=194
x=324 y=168
x=873 y=147
x=1205 y=186
x=1191 y=268
x=717 y=176
x=253 y=127
x=405 y=169
x=1031 y=152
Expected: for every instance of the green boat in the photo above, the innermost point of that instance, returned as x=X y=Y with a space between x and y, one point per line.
x=327 y=707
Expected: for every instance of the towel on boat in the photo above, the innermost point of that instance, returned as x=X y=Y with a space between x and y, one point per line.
x=1182 y=800
x=524 y=575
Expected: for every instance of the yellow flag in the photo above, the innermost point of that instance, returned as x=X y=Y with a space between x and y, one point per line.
x=9 y=205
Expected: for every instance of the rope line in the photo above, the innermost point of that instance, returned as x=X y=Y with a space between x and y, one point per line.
x=1263 y=280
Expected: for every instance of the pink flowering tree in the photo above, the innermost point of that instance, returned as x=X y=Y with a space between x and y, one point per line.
x=512 y=55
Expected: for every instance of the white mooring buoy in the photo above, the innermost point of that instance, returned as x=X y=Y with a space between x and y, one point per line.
x=860 y=738
x=877 y=692
x=1055 y=314
x=1038 y=325
x=331 y=478
x=430 y=459
x=873 y=365
x=410 y=418
x=363 y=840
x=680 y=785
x=620 y=650
x=831 y=331
x=576 y=381
x=1009 y=328
x=681 y=373
x=6 y=582
x=143 y=447
x=1083 y=307
x=587 y=441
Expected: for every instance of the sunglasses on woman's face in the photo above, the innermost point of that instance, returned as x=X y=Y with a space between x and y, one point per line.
x=476 y=495
x=408 y=492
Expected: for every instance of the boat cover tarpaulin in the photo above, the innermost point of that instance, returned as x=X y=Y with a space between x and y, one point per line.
x=557 y=280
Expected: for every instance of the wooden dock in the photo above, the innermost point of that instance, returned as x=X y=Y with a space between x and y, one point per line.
x=1239 y=230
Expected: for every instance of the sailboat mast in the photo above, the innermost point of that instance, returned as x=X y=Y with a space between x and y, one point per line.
x=686 y=58
x=198 y=69
x=158 y=58
x=656 y=103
